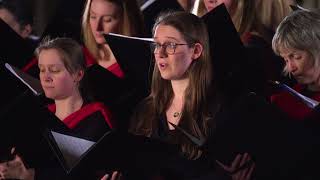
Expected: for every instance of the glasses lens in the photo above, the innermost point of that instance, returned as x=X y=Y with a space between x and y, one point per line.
x=170 y=48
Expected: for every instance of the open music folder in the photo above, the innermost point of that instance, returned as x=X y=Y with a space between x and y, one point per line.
x=113 y=151
x=69 y=149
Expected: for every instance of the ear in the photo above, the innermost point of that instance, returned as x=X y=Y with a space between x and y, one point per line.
x=197 y=51
x=78 y=75
x=27 y=29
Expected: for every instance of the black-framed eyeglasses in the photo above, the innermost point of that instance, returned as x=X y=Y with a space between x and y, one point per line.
x=169 y=47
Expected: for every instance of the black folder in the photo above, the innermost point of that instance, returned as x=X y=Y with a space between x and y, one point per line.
x=21 y=113
x=32 y=83
x=228 y=54
x=136 y=59
x=113 y=151
x=14 y=83
x=14 y=49
x=103 y=85
x=122 y=94
x=152 y=8
x=22 y=124
x=281 y=147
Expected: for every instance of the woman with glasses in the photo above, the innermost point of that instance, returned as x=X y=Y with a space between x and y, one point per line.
x=182 y=96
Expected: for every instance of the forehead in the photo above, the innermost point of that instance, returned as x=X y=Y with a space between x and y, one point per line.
x=103 y=7
x=167 y=32
x=50 y=56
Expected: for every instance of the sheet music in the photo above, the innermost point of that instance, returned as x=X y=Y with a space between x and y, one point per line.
x=308 y=101
x=37 y=89
x=71 y=147
x=131 y=37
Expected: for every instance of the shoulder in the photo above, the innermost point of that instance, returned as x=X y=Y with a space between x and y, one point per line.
x=98 y=107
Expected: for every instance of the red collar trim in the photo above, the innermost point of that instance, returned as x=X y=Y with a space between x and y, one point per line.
x=32 y=63
x=76 y=117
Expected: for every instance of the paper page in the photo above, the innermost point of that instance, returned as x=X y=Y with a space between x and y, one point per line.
x=146 y=4
x=71 y=147
x=308 y=101
x=131 y=37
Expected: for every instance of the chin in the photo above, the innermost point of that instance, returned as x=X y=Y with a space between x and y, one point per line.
x=50 y=96
x=100 y=40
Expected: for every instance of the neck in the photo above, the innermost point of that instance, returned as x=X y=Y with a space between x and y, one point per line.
x=107 y=57
x=105 y=53
x=67 y=106
x=179 y=87
x=174 y=110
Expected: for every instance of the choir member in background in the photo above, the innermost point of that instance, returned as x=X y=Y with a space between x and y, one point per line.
x=109 y=16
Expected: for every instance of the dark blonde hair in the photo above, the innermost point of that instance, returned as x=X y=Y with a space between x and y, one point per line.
x=69 y=50
x=195 y=114
x=131 y=22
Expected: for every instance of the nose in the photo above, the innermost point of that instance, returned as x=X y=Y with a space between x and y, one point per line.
x=46 y=77
x=291 y=67
x=162 y=52
x=99 y=27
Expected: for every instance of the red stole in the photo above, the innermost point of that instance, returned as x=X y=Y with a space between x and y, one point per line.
x=76 y=117
x=293 y=106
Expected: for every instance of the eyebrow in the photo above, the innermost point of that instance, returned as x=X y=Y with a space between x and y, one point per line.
x=169 y=37
x=52 y=65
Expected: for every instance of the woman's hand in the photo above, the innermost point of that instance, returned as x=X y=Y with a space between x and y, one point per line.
x=241 y=168
x=15 y=169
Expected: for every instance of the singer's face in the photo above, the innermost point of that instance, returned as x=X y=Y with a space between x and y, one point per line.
x=172 y=53
x=301 y=65
x=56 y=81
x=104 y=17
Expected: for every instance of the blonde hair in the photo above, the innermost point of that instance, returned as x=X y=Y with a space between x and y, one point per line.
x=272 y=12
x=131 y=23
x=261 y=16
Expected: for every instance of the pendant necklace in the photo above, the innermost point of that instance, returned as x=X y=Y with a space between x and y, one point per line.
x=176 y=114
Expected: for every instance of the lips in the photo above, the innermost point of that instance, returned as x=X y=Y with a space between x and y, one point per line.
x=162 y=66
x=48 y=87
